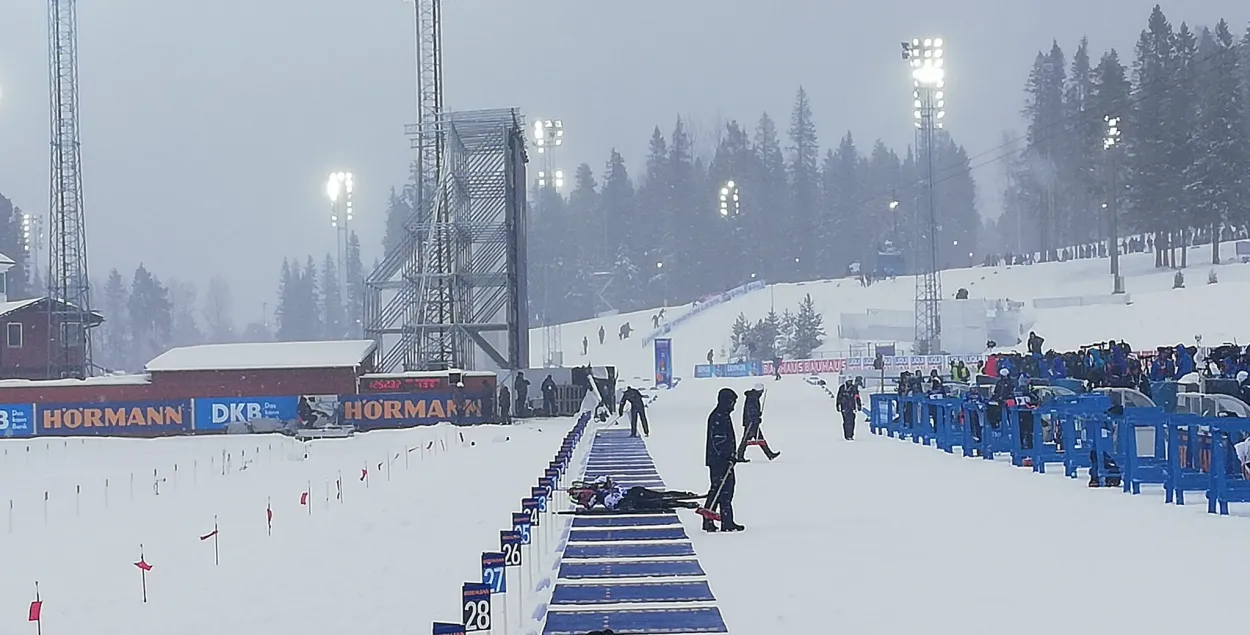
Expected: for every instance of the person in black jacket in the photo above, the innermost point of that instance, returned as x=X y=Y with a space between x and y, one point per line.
x=752 y=416
x=849 y=405
x=637 y=410
x=548 y=388
x=721 y=453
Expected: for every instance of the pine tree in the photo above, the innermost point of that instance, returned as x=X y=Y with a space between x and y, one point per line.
x=844 y=230
x=333 y=309
x=398 y=211
x=151 y=319
x=804 y=178
x=355 y=300
x=287 y=312
x=1216 y=177
x=1084 y=133
x=218 y=305
x=739 y=332
x=959 y=223
x=1150 y=191
x=681 y=251
x=735 y=240
x=310 y=302
x=113 y=335
x=809 y=332
x=1110 y=98
x=773 y=228
x=184 y=329
x=1045 y=110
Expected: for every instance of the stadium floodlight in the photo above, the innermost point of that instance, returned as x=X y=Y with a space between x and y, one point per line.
x=559 y=179
x=1112 y=138
x=548 y=133
x=928 y=71
x=340 y=186
x=730 y=203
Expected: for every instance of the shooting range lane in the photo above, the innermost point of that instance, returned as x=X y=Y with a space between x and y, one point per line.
x=632 y=574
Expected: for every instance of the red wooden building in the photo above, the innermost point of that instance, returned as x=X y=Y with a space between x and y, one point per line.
x=261 y=369
x=28 y=341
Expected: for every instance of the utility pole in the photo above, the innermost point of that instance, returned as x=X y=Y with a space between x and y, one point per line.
x=1111 y=143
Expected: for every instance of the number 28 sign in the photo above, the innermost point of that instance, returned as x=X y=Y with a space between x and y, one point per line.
x=475 y=601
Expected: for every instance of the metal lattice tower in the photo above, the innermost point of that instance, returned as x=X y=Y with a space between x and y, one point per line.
x=452 y=294
x=925 y=57
x=69 y=305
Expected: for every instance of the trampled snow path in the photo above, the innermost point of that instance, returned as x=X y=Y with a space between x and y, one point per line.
x=389 y=558
x=878 y=536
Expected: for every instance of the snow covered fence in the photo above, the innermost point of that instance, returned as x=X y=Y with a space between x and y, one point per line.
x=701 y=307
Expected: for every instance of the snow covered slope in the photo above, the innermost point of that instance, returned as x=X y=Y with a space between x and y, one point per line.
x=388 y=557
x=1158 y=315
x=882 y=536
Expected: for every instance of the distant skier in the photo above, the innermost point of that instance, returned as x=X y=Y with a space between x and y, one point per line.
x=505 y=405
x=602 y=333
x=585 y=345
x=625 y=330
x=777 y=368
x=849 y=405
x=655 y=321
x=720 y=454
x=710 y=357
x=637 y=410
x=752 y=417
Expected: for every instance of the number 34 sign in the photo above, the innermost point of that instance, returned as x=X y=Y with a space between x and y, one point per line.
x=475 y=600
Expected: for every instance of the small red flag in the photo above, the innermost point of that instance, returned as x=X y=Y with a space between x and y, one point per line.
x=364 y=472
x=209 y=535
x=142 y=564
x=36 y=608
x=303 y=498
x=269 y=514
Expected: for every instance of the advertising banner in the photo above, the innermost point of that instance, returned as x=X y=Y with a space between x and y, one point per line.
x=17 y=420
x=130 y=418
x=217 y=414
x=808 y=366
x=383 y=411
x=739 y=369
x=664 y=362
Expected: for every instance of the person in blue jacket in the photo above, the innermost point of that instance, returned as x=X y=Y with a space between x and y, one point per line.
x=1162 y=368
x=1184 y=361
x=721 y=452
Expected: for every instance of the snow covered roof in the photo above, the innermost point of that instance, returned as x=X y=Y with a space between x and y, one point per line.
x=263 y=356
x=17 y=305
x=5 y=260
x=103 y=380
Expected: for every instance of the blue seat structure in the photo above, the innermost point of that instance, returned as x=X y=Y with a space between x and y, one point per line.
x=633 y=574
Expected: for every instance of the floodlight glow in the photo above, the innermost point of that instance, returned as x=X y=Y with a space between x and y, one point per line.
x=559 y=174
x=332 y=188
x=928 y=75
x=915 y=42
x=538 y=128
x=928 y=41
x=730 y=184
x=724 y=191
x=937 y=42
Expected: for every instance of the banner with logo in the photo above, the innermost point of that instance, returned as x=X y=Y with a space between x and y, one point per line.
x=129 y=418
x=17 y=420
x=664 y=362
x=383 y=411
x=218 y=414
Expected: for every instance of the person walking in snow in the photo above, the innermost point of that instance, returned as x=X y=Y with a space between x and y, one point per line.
x=848 y=404
x=752 y=417
x=601 y=334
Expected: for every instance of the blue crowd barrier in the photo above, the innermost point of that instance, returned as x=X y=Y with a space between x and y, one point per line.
x=1134 y=446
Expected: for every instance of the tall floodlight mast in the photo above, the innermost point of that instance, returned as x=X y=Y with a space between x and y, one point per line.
x=928 y=72
x=69 y=293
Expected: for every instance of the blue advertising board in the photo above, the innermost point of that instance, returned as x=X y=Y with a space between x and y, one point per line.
x=407 y=410
x=738 y=369
x=126 y=418
x=664 y=362
x=17 y=420
x=447 y=628
x=218 y=414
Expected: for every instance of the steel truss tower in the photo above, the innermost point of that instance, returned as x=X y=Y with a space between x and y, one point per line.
x=925 y=57
x=69 y=294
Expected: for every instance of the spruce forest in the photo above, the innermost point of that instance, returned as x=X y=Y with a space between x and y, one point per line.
x=626 y=238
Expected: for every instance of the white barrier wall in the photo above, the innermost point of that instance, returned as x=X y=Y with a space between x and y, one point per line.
x=1085 y=300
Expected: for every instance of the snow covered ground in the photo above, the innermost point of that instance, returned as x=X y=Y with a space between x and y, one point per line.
x=883 y=536
x=1158 y=315
x=388 y=557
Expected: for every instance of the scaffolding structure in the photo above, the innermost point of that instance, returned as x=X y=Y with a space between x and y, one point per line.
x=453 y=293
x=925 y=58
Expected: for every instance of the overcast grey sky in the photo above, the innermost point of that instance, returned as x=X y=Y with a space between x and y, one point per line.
x=209 y=128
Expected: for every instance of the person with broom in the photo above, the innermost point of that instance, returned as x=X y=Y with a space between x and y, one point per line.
x=752 y=416
x=721 y=452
